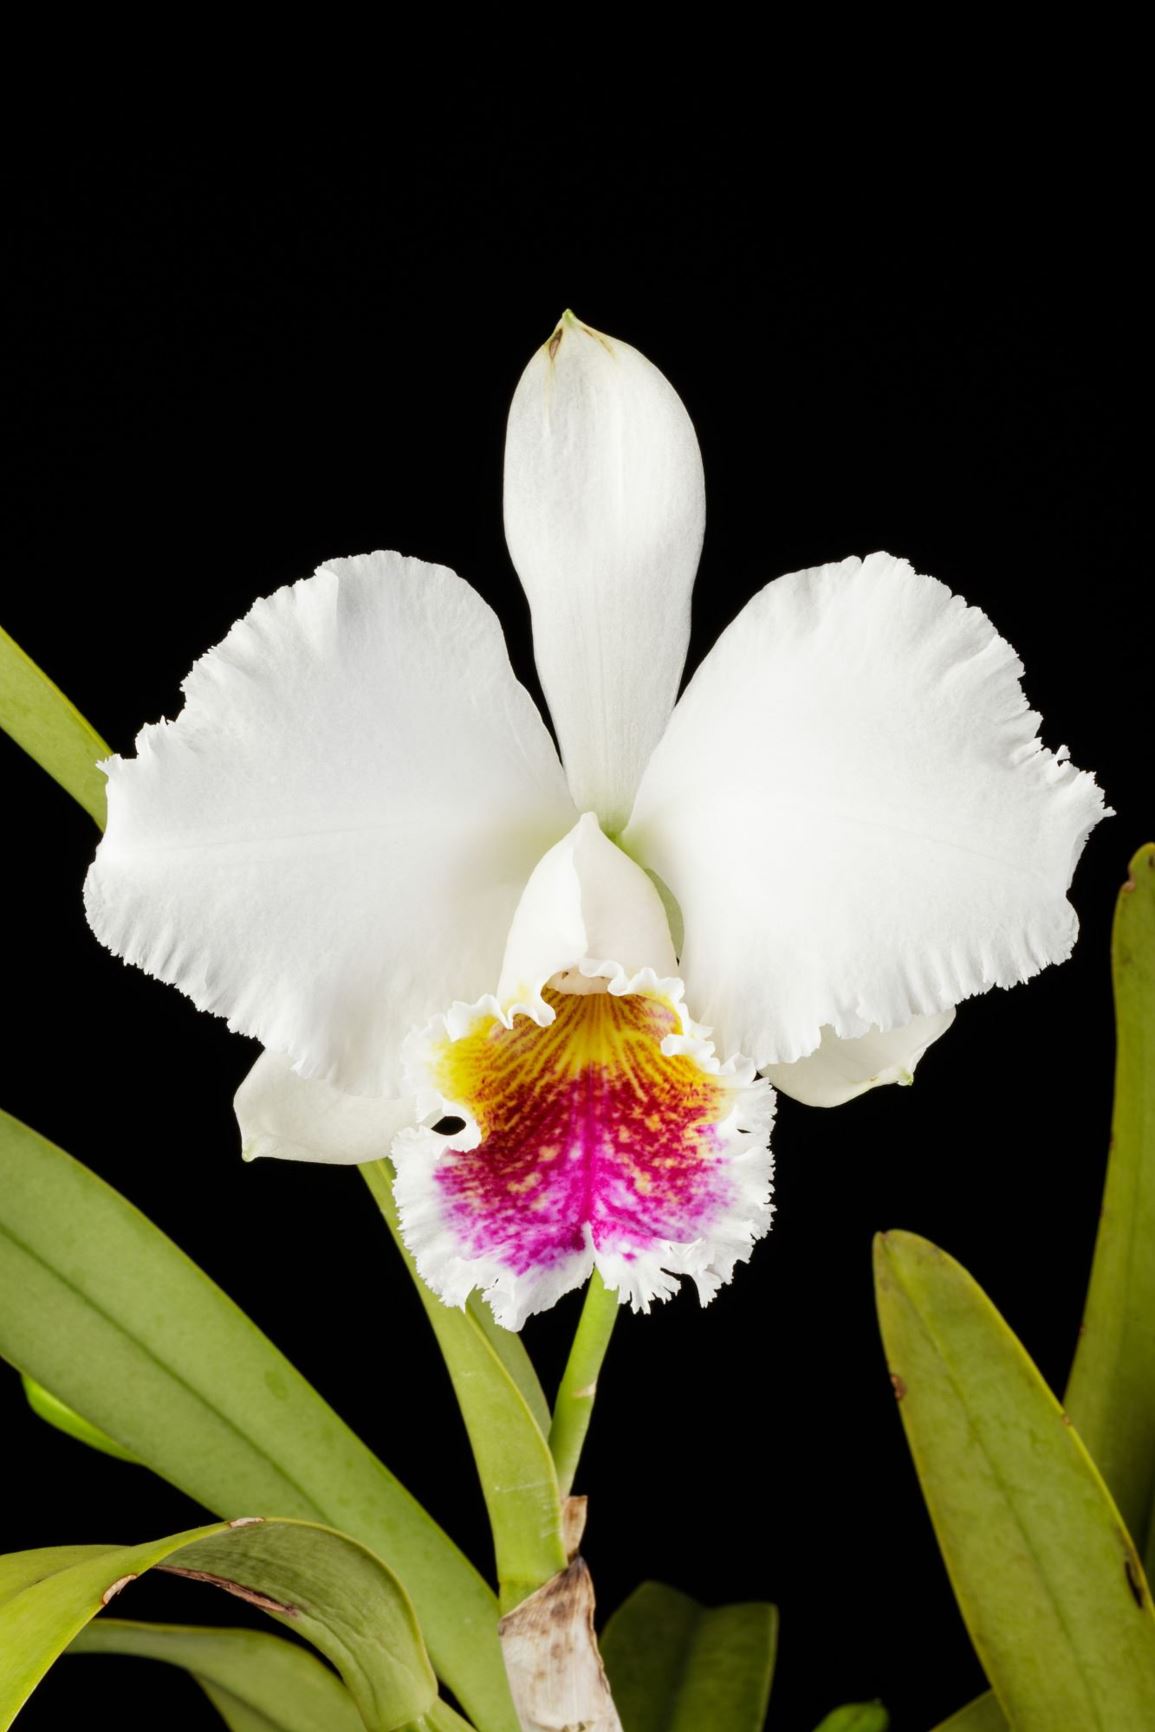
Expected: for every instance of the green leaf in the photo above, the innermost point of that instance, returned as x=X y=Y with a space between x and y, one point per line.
x=981 y=1715
x=1111 y=1395
x=856 y=1717
x=19 y=1570
x=675 y=1666
x=514 y=1463
x=279 y=1686
x=510 y=1349
x=100 y=1307
x=1047 y=1579
x=239 y=1716
x=319 y=1583
x=40 y=718
x=54 y=1413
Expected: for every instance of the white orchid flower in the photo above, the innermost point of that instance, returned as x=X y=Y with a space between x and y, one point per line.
x=357 y=843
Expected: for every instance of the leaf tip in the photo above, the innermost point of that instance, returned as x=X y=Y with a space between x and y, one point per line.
x=1142 y=859
x=897 y=1249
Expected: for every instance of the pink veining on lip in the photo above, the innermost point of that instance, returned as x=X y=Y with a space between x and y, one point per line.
x=587 y=1128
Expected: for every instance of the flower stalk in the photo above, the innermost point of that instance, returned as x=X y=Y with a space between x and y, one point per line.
x=578 y=1389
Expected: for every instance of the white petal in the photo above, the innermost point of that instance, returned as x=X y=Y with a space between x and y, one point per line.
x=330 y=841
x=604 y=516
x=855 y=814
x=839 y=1070
x=586 y=903
x=282 y=1115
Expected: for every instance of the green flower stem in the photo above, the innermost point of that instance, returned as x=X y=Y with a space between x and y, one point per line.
x=575 y=1397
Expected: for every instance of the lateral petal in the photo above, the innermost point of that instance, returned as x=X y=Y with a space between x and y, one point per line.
x=854 y=811
x=331 y=839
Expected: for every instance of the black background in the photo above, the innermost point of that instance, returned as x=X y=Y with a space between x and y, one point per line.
x=232 y=364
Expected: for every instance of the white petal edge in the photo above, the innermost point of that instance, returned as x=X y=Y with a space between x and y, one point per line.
x=330 y=841
x=284 y=1117
x=604 y=516
x=841 y=1070
x=854 y=811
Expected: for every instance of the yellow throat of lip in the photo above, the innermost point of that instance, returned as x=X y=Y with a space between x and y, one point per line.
x=493 y=1068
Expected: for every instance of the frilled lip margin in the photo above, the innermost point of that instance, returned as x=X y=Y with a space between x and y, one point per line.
x=600 y=1130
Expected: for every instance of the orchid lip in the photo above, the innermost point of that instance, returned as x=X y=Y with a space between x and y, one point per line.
x=600 y=1130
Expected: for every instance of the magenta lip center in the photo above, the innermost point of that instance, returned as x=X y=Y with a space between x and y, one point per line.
x=589 y=1134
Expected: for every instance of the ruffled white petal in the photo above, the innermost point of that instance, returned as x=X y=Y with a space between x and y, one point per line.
x=604 y=516
x=283 y=1116
x=331 y=840
x=855 y=814
x=839 y=1070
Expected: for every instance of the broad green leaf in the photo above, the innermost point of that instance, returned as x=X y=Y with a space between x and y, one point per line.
x=319 y=1583
x=100 y=1307
x=510 y=1349
x=1111 y=1395
x=514 y=1464
x=856 y=1717
x=281 y=1687
x=18 y=1570
x=54 y=1413
x=507 y=1345
x=981 y=1715
x=1050 y=1585
x=240 y=1716
x=40 y=718
x=675 y=1666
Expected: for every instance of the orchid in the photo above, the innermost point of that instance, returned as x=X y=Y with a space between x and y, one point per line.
x=560 y=991
x=545 y=997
